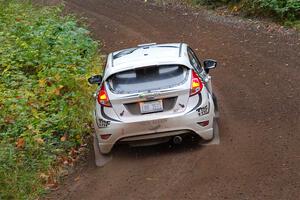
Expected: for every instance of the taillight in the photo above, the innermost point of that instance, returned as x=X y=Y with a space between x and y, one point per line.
x=103 y=98
x=196 y=85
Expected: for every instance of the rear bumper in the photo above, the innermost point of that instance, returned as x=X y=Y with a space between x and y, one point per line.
x=158 y=128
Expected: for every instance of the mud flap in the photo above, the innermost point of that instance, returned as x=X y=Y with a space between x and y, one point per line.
x=100 y=159
x=217 y=114
x=216 y=138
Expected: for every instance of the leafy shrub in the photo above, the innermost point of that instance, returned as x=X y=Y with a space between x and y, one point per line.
x=282 y=10
x=45 y=100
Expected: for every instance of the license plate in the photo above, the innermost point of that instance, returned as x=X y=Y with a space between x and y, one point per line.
x=151 y=106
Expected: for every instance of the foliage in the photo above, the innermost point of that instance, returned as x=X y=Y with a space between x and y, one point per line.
x=282 y=10
x=44 y=102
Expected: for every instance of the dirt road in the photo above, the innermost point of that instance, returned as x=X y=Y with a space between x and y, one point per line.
x=258 y=88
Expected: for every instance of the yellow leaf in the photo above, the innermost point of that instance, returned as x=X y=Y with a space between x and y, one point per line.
x=35 y=113
x=30 y=127
x=56 y=92
x=58 y=89
x=235 y=9
x=57 y=77
x=39 y=140
x=44 y=176
x=42 y=82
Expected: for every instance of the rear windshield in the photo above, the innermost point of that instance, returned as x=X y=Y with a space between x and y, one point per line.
x=147 y=79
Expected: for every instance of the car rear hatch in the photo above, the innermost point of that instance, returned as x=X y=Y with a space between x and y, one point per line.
x=149 y=92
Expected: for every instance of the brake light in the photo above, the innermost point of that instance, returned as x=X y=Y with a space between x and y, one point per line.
x=103 y=98
x=196 y=85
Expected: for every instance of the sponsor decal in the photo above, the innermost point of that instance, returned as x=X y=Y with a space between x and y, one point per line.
x=102 y=123
x=203 y=110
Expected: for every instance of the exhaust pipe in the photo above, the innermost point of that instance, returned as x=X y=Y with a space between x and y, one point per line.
x=177 y=139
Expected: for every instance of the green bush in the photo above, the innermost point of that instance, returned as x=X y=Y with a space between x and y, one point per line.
x=282 y=10
x=45 y=101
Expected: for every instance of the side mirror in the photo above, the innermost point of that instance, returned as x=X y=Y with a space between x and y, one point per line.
x=95 y=79
x=209 y=64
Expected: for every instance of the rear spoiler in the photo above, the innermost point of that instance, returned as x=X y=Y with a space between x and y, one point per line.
x=146 y=45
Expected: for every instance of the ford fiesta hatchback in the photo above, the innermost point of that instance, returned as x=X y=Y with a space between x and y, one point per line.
x=153 y=93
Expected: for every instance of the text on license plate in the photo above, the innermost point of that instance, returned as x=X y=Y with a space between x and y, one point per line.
x=151 y=106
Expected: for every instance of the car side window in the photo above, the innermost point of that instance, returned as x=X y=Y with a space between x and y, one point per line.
x=194 y=61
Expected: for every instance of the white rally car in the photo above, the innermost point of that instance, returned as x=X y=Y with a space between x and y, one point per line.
x=153 y=93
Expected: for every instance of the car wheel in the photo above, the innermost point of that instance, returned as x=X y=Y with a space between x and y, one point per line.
x=100 y=159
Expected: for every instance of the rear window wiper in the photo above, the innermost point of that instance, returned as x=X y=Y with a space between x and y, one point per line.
x=123 y=53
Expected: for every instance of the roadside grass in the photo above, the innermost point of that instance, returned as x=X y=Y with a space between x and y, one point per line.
x=45 y=59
